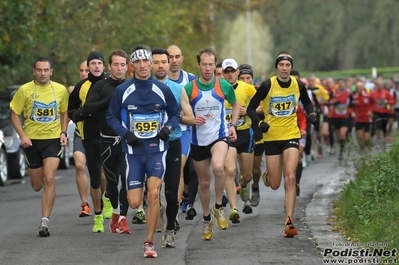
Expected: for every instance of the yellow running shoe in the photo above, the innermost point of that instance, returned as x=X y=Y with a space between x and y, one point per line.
x=98 y=224
x=221 y=221
x=207 y=229
x=265 y=178
x=107 y=209
x=234 y=216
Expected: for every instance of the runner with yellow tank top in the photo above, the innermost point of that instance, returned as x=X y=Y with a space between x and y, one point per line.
x=280 y=95
x=43 y=105
x=244 y=145
x=89 y=129
x=246 y=75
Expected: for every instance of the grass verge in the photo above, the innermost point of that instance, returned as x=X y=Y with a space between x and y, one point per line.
x=368 y=208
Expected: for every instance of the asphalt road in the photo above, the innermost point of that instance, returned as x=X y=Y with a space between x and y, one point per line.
x=258 y=239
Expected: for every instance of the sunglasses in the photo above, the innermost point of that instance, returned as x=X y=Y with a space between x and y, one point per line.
x=232 y=71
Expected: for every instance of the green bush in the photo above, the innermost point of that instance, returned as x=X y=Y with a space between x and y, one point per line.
x=368 y=208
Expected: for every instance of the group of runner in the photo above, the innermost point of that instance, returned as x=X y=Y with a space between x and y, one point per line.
x=164 y=125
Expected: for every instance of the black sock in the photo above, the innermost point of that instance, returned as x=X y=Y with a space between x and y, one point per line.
x=185 y=195
x=218 y=206
x=207 y=218
x=98 y=213
x=255 y=188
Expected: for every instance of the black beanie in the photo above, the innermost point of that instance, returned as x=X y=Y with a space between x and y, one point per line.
x=246 y=69
x=95 y=55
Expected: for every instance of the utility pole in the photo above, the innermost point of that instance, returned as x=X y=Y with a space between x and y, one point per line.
x=212 y=27
x=249 y=33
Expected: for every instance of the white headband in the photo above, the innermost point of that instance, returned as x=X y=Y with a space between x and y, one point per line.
x=140 y=55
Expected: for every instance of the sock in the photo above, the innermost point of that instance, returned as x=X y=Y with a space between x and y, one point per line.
x=121 y=217
x=117 y=210
x=254 y=188
x=98 y=213
x=207 y=218
x=218 y=206
x=46 y=219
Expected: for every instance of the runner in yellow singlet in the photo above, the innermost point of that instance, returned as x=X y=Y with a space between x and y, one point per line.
x=280 y=95
x=43 y=104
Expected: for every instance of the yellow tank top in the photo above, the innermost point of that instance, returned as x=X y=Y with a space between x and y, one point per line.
x=244 y=92
x=280 y=107
x=41 y=107
x=84 y=89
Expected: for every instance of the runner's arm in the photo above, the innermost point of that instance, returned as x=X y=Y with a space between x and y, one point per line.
x=260 y=95
x=304 y=98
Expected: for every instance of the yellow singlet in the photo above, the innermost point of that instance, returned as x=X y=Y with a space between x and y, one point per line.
x=280 y=107
x=244 y=92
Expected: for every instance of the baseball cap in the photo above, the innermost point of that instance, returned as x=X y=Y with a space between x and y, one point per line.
x=229 y=63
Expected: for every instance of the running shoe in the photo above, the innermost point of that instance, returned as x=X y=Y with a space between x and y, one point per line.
x=176 y=225
x=221 y=221
x=98 y=224
x=234 y=216
x=332 y=150
x=161 y=220
x=207 y=229
x=255 y=198
x=149 y=251
x=85 y=210
x=225 y=200
x=244 y=191
x=43 y=228
x=107 y=209
x=168 y=239
x=139 y=217
x=289 y=229
x=191 y=212
x=247 y=209
x=184 y=204
x=265 y=178
x=113 y=224
x=123 y=228
x=238 y=188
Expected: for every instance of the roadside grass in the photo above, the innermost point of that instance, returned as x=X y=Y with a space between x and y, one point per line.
x=367 y=210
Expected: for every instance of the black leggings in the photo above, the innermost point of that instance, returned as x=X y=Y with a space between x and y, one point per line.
x=93 y=161
x=114 y=165
x=172 y=180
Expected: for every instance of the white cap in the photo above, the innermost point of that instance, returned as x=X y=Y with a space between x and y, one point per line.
x=229 y=63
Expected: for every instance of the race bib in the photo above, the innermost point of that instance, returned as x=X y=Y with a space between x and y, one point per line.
x=44 y=113
x=380 y=103
x=229 y=115
x=145 y=126
x=282 y=106
x=341 y=109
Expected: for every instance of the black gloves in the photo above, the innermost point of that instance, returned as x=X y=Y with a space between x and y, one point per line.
x=77 y=115
x=164 y=134
x=131 y=139
x=312 y=118
x=264 y=126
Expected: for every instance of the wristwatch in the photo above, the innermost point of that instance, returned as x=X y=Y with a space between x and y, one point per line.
x=64 y=132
